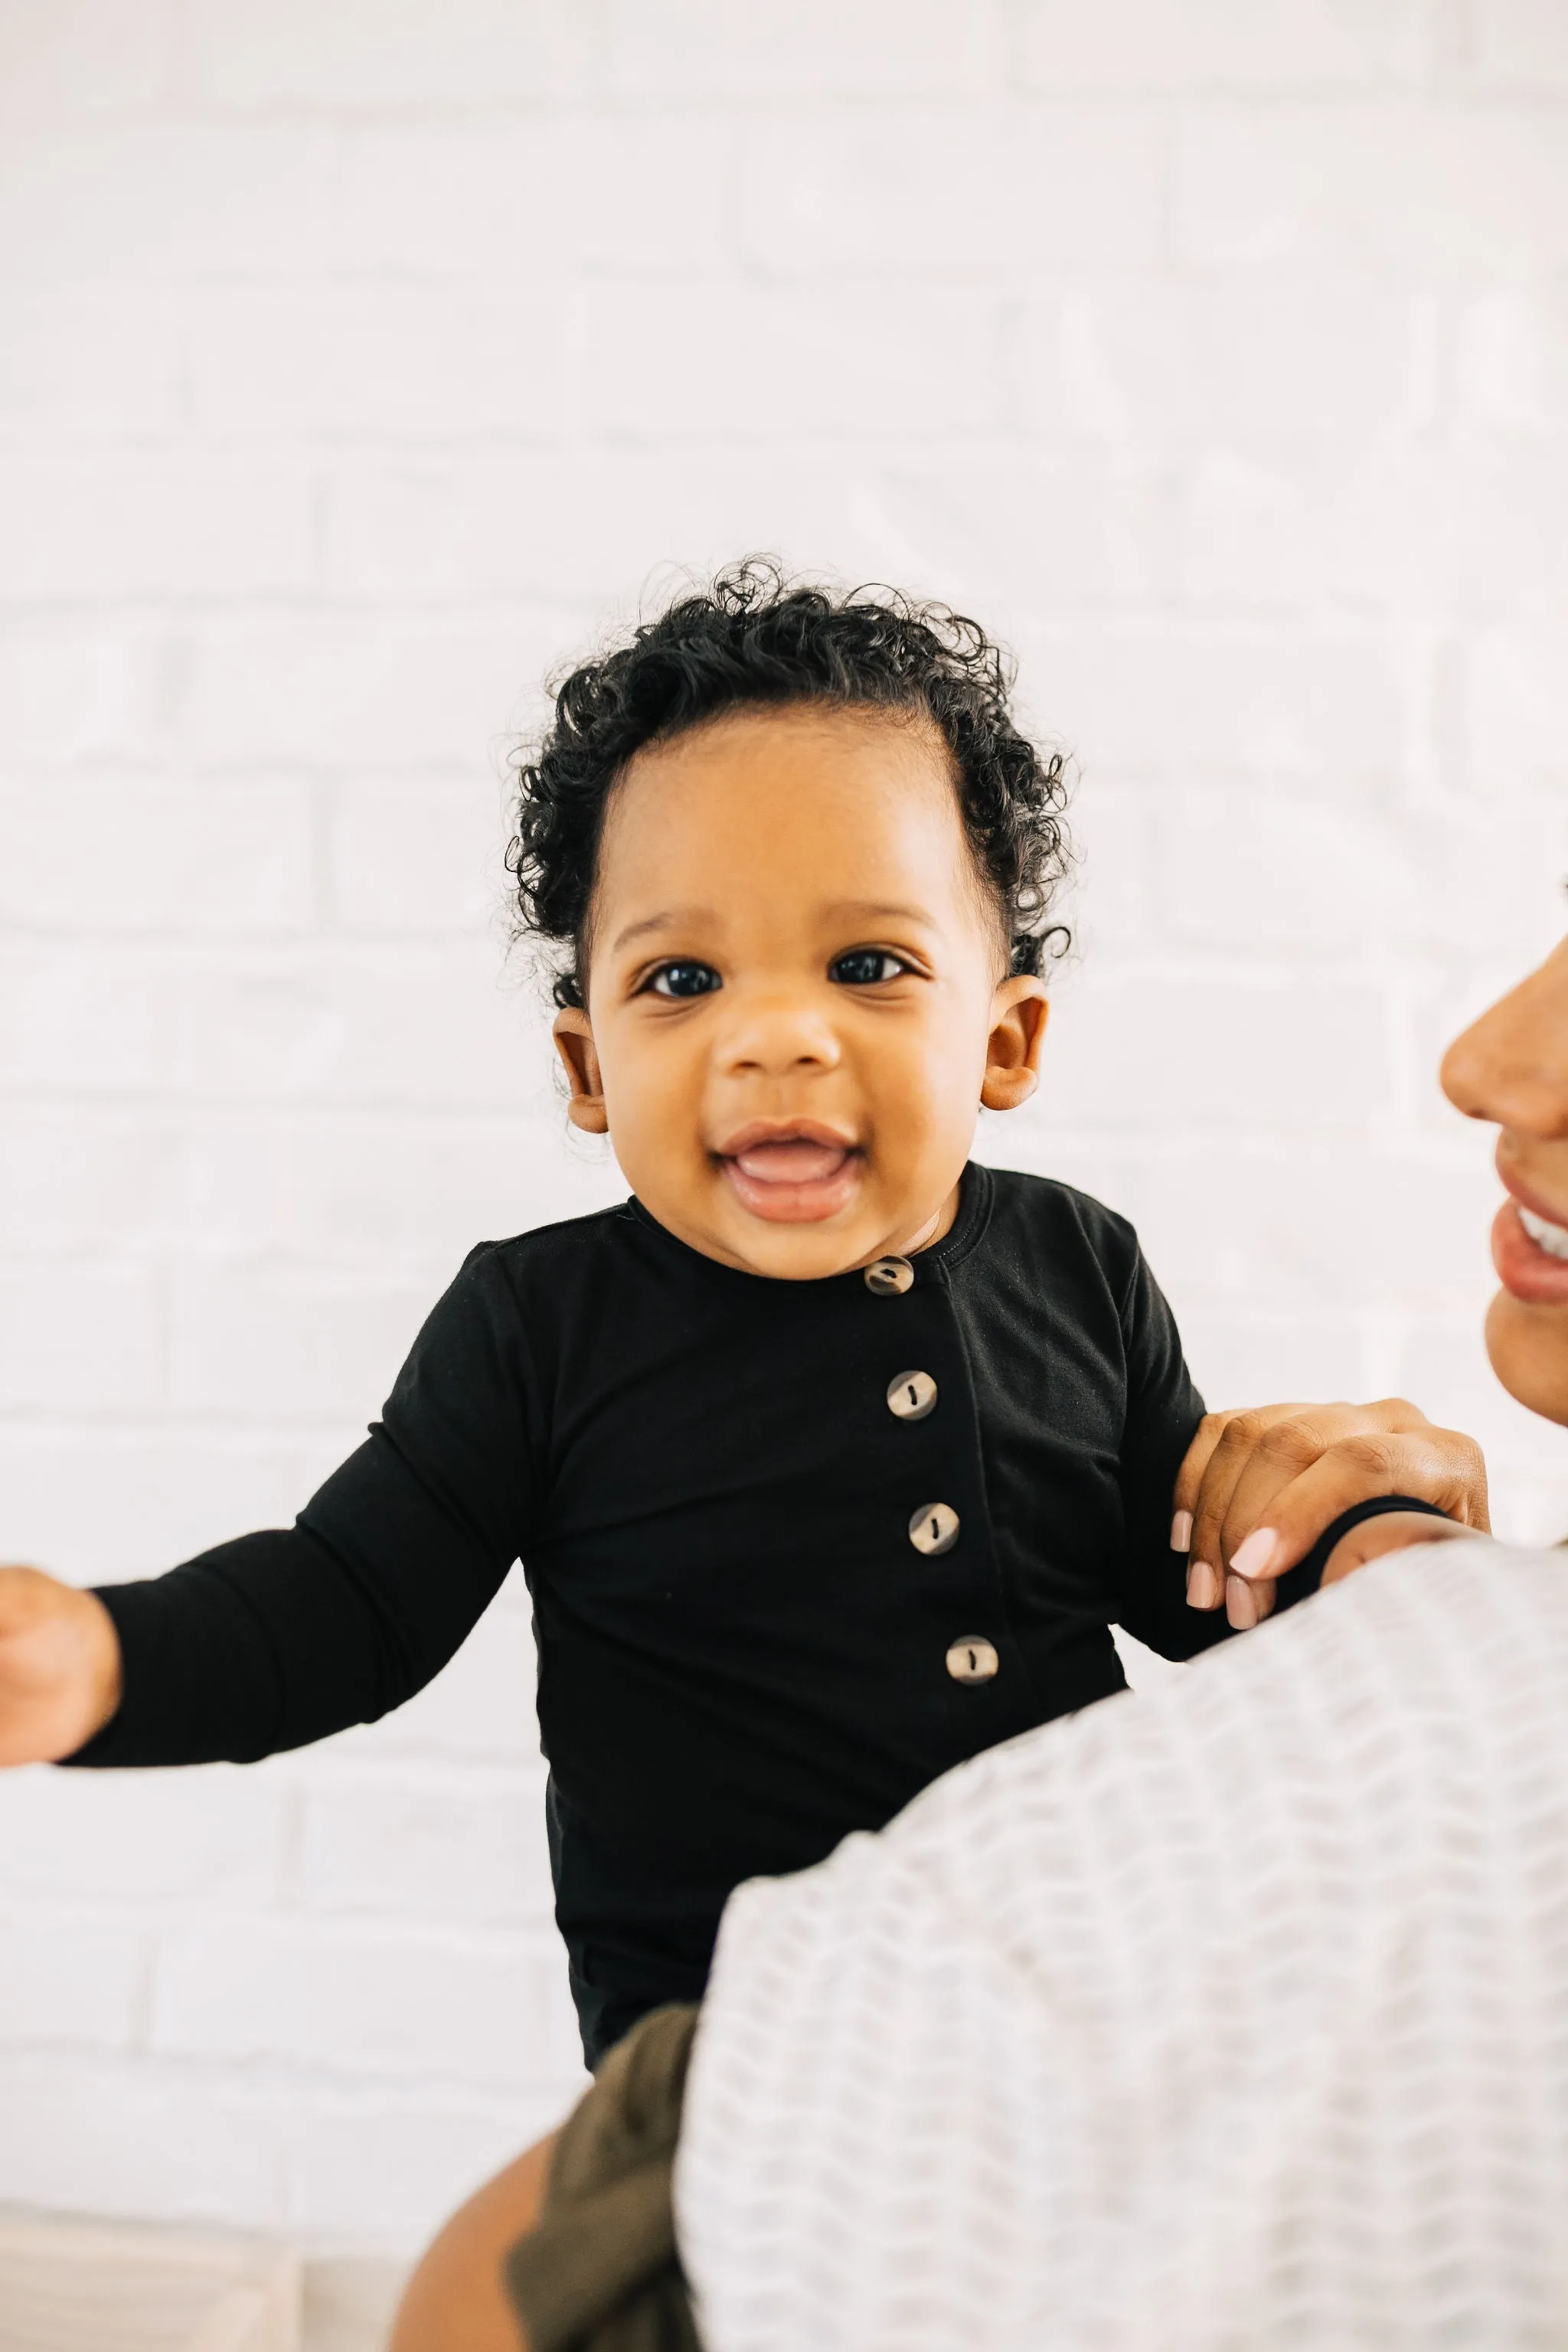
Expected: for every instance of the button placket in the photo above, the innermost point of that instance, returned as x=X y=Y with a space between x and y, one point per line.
x=972 y=1659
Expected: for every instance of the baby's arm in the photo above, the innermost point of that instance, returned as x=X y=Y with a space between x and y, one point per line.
x=281 y=1637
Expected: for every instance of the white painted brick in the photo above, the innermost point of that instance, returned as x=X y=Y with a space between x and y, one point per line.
x=143 y=1836
x=354 y=1999
x=72 y=1180
x=415 y=359
x=534 y=200
x=1359 y=186
x=155 y=199
x=1240 y=1359
x=1298 y=529
x=83 y=690
x=585 y=529
x=388 y=1191
x=284 y=1341
x=436 y=1853
x=1283 y=45
x=1051 y=187
x=99 y=1503
x=1520 y=45
x=1354 y=1225
x=103 y=2137
x=1121 y=1053
x=140 y=855
x=367 y=1025
x=78 y=1336
x=878 y=48
x=52 y=380
x=1066 y=535
x=1513 y=704
x=362 y=688
x=1174 y=697
x=1236 y=356
x=69 y=1017
x=1511 y=356
x=132 y=526
x=417 y=855
x=362 y=1026
x=68 y=1979
x=387 y=2174
x=470 y=55
x=849 y=359
x=83 y=56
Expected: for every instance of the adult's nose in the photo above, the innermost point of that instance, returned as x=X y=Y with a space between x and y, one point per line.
x=1511 y=1065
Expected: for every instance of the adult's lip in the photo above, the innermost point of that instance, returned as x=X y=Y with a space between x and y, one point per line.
x=1524 y=1267
x=791 y=1171
x=1555 y=1212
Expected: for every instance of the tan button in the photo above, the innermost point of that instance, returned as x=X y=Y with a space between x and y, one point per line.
x=911 y=1395
x=972 y=1659
x=889 y=1278
x=934 y=1527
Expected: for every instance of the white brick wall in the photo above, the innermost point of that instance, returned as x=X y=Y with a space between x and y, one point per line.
x=358 y=360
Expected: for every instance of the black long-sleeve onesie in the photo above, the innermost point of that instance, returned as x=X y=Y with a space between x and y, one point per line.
x=744 y=1653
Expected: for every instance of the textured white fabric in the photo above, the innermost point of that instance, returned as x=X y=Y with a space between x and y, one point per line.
x=1235 y=2015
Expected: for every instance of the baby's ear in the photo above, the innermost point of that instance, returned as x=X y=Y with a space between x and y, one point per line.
x=1018 y=1015
x=574 y=1037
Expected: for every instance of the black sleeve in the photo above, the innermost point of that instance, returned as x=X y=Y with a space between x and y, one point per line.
x=279 y=1638
x=1164 y=1410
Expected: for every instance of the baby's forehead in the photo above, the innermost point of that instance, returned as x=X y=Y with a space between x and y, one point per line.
x=806 y=816
x=853 y=770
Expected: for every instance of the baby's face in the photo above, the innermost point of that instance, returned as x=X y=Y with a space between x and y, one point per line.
x=797 y=996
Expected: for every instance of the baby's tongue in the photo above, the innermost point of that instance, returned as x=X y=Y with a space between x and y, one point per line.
x=795 y=1160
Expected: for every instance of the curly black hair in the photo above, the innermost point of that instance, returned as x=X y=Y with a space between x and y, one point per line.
x=753 y=636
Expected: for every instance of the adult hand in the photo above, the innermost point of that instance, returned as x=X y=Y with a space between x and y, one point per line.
x=60 y=1666
x=1257 y=1489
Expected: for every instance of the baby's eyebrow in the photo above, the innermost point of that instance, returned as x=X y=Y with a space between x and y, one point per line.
x=670 y=919
x=859 y=909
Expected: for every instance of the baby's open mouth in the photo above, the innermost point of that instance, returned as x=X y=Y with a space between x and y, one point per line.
x=792 y=1175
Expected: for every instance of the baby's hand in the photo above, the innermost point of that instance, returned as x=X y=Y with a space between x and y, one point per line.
x=1258 y=1489
x=60 y=1666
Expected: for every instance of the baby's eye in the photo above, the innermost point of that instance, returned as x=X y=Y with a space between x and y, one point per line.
x=684 y=980
x=864 y=967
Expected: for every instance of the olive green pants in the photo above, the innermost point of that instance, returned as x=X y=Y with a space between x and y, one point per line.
x=600 y=2272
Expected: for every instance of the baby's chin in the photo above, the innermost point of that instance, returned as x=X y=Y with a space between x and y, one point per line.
x=1527 y=1341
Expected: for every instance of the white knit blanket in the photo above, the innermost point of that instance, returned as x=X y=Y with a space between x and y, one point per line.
x=1235 y=2015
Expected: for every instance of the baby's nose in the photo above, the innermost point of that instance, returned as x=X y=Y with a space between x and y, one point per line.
x=776 y=1033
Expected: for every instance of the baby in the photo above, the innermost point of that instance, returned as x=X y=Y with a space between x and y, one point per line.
x=830 y=1456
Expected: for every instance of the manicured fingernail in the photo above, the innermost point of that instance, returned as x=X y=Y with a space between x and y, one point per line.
x=1240 y=1603
x=1182 y=1531
x=1203 y=1590
x=1251 y=1557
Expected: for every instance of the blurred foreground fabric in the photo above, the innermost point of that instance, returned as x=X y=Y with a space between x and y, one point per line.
x=1235 y=2015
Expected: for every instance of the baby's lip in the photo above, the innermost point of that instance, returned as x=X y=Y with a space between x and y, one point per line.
x=791 y=1171
x=787 y=1152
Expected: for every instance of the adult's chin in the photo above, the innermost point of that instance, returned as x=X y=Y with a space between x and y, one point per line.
x=1528 y=1344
